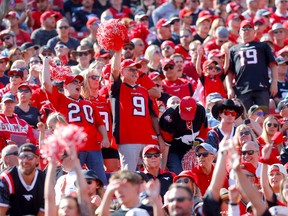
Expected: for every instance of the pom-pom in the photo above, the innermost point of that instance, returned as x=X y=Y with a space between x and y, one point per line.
x=63 y=138
x=189 y=161
x=139 y=31
x=112 y=35
x=58 y=72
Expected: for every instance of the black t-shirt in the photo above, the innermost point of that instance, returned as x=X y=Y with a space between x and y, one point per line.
x=249 y=62
x=31 y=117
x=4 y=80
x=122 y=212
x=211 y=207
x=197 y=37
x=282 y=89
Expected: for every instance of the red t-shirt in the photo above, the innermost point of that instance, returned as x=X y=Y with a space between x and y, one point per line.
x=22 y=37
x=36 y=16
x=274 y=18
x=261 y=142
x=213 y=85
x=180 y=87
x=81 y=113
x=125 y=12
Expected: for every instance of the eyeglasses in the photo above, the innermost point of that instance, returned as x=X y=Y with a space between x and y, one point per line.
x=130 y=48
x=24 y=90
x=34 y=62
x=76 y=82
x=133 y=69
x=217 y=68
x=166 y=48
x=6 y=38
x=249 y=152
x=63 y=27
x=82 y=54
x=246 y=29
x=277 y=31
x=274 y=125
x=60 y=47
x=183 y=180
x=12 y=153
x=171 y=67
x=24 y=68
x=259 y=113
x=178 y=199
x=204 y=154
x=244 y=133
x=15 y=75
x=223 y=41
x=94 y=77
x=26 y=156
x=232 y=113
x=156 y=155
x=184 y=36
x=258 y=24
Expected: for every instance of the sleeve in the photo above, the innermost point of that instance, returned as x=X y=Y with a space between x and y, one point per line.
x=231 y=63
x=269 y=54
x=115 y=87
x=97 y=118
x=152 y=108
x=211 y=207
x=212 y=138
x=56 y=98
x=145 y=81
x=167 y=125
x=35 y=39
x=4 y=193
x=158 y=13
x=30 y=135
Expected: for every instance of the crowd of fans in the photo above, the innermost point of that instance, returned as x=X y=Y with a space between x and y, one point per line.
x=189 y=118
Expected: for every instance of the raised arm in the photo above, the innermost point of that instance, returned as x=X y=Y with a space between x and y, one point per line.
x=200 y=51
x=46 y=75
x=274 y=79
x=225 y=49
x=115 y=65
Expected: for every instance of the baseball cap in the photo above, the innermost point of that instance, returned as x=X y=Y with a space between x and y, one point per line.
x=154 y=75
x=277 y=168
x=266 y=38
x=282 y=104
x=283 y=50
x=168 y=43
x=28 y=147
x=141 y=60
x=262 y=12
x=162 y=23
x=234 y=16
x=248 y=166
x=6 y=32
x=106 y=71
x=12 y=14
x=130 y=63
x=215 y=52
x=139 y=16
x=130 y=43
x=17 y=71
x=258 y=19
x=28 y=45
x=8 y=97
x=208 y=62
x=4 y=58
x=185 y=173
x=166 y=61
x=187 y=108
x=69 y=79
x=102 y=53
x=280 y=60
x=26 y=86
x=48 y=14
x=45 y=48
x=172 y=18
x=247 y=22
x=233 y=7
x=213 y=97
x=204 y=15
x=91 y=174
x=92 y=20
x=276 y=26
x=222 y=32
x=185 y=13
x=207 y=147
x=151 y=147
x=255 y=107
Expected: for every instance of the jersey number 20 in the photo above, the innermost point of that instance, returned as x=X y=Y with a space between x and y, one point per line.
x=75 y=110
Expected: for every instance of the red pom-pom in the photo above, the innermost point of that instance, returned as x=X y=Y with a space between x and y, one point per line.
x=189 y=160
x=58 y=72
x=139 y=31
x=112 y=35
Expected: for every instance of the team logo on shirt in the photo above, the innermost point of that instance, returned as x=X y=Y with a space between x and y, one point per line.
x=28 y=197
x=168 y=118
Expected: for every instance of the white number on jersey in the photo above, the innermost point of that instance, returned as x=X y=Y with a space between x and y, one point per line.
x=249 y=55
x=139 y=106
x=75 y=110
x=104 y=116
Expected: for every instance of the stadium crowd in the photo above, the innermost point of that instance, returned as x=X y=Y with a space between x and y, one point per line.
x=190 y=117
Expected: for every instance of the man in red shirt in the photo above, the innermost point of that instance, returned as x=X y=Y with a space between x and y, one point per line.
x=82 y=113
x=33 y=17
x=222 y=35
x=135 y=122
x=185 y=39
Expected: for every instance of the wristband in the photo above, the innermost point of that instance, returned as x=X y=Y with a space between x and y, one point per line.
x=159 y=134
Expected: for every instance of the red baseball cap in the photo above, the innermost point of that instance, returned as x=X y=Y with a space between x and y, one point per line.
x=215 y=52
x=102 y=53
x=12 y=14
x=154 y=75
x=162 y=23
x=106 y=71
x=234 y=16
x=48 y=14
x=208 y=62
x=167 y=43
x=17 y=71
x=4 y=58
x=69 y=79
x=187 y=108
x=186 y=173
x=184 y=13
x=167 y=61
x=130 y=63
x=25 y=85
x=92 y=20
x=151 y=147
x=247 y=22
x=233 y=6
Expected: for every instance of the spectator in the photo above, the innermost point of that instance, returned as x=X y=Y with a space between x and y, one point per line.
x=62 y=52
x=233 y=23
x=179 y=63
x=117 y=10
x=175 y=25
x=260 y=27
x=92 y=25
x=257 y=113
x=146 y=8
x=70 y=7
x=280 y=14
x=203 y=25
x=212 y=99
x=278 y=35
x=283 y=111
x=185 y=39
x=14 y=55
x=83 y=56
x=250 y=153
x=9 y=41
x=189 y=67
x=19 y=201
x=9 y=157
x=167 y=48
x=251 y=89
x=243 y=135
x=221 y=37
x=28 y=50
x=252 y=7
x=282 y=81
x=153 y=54
x=46 y=31
x=3 y=78
x=139 y=48
x=128 y=50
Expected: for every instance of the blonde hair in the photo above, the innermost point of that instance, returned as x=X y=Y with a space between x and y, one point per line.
x=264 y=134
x=150 y=52
x=215 y=24
x=56 y=117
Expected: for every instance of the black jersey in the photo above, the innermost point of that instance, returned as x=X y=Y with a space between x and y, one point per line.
x=20 y=198
x=250 y=64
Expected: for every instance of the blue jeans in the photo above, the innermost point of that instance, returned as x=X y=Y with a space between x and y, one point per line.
x=94 y=161
x=174 y=162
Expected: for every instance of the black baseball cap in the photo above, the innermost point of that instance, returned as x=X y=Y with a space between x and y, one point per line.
x=28 y=147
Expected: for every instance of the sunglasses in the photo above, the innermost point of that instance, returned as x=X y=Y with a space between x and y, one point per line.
x=27 y=156
x=277 y=31
x=223 y=41
x=24 y=90
x=65 y=155
x=249 y=152
x=156 y=155
x=63 y=27
x=260 y=113
x=244 y=133
x=171 y=67
x=217 y=68
x=82 y=54
x=34 y=62
x=12 y=153
x=133 y=70
x=178 y=199
x=94 y=77
x=6 y=38
x=204 y=154
x=258 y=24
x=246 y=29
x=184 y=180
x=274 y=125
x=130 y=48
x=76 y=82
x=47 y=54
x=232 y=113
x=60 y=47
x=15 y=75
x=184 y=36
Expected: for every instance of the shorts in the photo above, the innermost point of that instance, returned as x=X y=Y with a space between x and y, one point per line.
x=110 y=153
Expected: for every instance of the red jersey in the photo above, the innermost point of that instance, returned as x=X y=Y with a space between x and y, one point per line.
x=276 y=17
x=125 y=12
x=181 y=50
x=145 y=81
x=79 y=112
x=214 y=84
x=14 y=126
x=180 y=87
x=22 y=37
x=132 y=111
x=261 y=142
x=104 y=107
